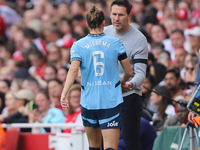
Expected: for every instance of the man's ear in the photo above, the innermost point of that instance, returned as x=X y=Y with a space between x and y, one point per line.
x=87 y=25
x=129 y=16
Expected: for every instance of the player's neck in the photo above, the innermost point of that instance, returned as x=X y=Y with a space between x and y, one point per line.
x=96 y=31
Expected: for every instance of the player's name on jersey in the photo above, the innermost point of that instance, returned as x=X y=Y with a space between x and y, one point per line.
x=96 y=83
x=97 y=42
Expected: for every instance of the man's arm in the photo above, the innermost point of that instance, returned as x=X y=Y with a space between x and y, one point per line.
x=139 y=61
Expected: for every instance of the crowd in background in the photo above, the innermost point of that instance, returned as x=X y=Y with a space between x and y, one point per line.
x=35 y=41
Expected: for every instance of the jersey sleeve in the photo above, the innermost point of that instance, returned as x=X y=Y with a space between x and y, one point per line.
x=75 y=53
x=121 y=51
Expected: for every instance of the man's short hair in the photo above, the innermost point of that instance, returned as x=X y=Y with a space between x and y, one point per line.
x=124 y=3
x=175 y=71
x=178 y=31
x=157 y=44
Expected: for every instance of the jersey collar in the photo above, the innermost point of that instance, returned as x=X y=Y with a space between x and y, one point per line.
x=96 y=35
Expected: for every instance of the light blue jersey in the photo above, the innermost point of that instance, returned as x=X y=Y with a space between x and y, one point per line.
x=99 y=55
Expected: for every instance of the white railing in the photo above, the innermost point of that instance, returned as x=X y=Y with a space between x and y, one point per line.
x=59 y=141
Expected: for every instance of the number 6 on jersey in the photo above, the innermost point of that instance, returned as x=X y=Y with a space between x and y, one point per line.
x=101 y=64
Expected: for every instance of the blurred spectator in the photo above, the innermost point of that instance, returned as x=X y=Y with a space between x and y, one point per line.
x=77 y=8
x=6 y=73
x=50 y=72
x=156 y=49
x=65 y=53
x=55 y=87
x=31 y=84
x=2 y=102
x=183 y=17
x=158 y=72
x=31 y=37
x=149 y=19
x=165 y=59
x=62 y=74
x=172 y=81
x=28 y=16
x=45 y=113
x=165 y=107
x=183 y=4
x=180 y=55
x=138 y=10
x=10 y=17
x=169 y=10
x=51 y=34
x=170 y=24
x=147 y=136
x=12 y=105
x=196 y=10
x=23 y=97
x=63 y=10
x=64 y=26
x=158 y=33
x=147 y=103
x=73 y=113
x=194 y=39
x=177 y=41
x=189 y=69
x=160 y=5
x=54 y=53
x=4 y=86
x=16 y=84
x=38 y=62
x=151 y=59
x=179 y=119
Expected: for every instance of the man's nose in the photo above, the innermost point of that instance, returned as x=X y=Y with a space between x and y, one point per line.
x=117 y=17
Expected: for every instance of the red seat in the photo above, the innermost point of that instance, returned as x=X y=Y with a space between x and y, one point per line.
x=12 y=138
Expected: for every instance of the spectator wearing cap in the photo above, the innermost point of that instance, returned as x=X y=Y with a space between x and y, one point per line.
x=194 y=39
x=14 y=100
x=23 y=96
x=183 y=16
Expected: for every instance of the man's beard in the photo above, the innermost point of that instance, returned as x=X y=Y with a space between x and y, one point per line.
x=172 y=88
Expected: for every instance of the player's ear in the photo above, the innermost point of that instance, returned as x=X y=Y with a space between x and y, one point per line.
x=104 y=23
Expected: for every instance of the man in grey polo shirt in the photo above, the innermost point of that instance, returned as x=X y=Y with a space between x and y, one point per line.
x=135 y=44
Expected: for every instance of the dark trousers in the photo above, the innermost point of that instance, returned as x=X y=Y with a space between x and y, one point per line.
x=131 y=112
